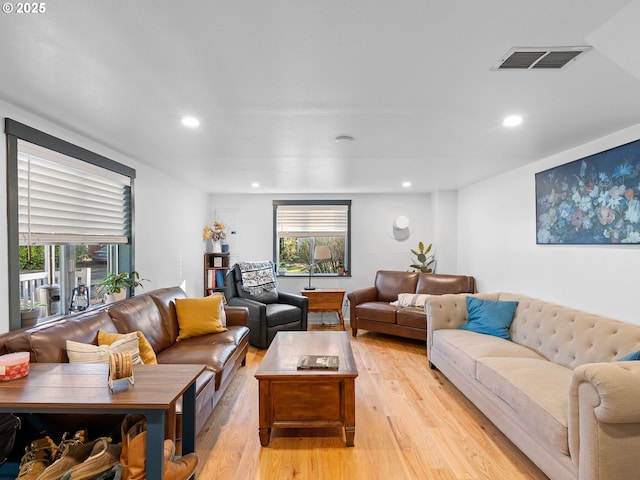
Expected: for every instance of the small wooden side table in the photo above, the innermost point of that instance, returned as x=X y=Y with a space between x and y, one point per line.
x=326 y=300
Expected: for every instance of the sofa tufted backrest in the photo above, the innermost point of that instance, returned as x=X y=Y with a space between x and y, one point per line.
x=570 y=337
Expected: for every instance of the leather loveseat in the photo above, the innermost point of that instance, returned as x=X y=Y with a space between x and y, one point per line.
x=153 y=314
x=377 y=309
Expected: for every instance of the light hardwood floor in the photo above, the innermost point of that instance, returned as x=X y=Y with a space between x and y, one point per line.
x=411 y=423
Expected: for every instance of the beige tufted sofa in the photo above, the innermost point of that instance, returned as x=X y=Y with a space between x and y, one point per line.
x=555 y=390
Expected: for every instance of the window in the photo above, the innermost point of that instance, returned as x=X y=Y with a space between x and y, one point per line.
x=69 y=223
x=312 y=236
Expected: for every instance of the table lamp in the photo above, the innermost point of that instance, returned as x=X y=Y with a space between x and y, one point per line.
x=321 y=252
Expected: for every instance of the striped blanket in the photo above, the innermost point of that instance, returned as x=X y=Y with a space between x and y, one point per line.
x=257 y=277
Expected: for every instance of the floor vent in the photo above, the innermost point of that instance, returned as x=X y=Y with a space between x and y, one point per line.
x=539 y=58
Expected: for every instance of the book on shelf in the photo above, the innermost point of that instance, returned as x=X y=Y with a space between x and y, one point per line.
x=318 y=362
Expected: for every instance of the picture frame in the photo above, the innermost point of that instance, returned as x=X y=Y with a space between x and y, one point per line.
x=594 y=200
x=217 y=262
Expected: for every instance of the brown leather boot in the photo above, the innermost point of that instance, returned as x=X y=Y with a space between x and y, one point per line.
x=36 y=459
x=128 y=422
x=180 y=469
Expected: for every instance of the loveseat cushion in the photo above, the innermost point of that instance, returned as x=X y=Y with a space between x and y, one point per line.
x=412 y=317
x=536 y=390
x=463 y=348
x=390 y=283
x=377 y=311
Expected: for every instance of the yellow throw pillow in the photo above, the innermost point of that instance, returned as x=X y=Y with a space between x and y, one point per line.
x=147 y=354
x=198 y=316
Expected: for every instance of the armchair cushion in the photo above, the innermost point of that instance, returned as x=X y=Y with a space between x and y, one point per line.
x=266 y=296
x=281 y=314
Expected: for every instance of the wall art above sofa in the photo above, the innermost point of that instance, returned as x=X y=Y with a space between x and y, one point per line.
x=593 y=200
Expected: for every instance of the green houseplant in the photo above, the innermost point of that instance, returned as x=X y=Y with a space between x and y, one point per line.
x=114 y=286
x=424 y=261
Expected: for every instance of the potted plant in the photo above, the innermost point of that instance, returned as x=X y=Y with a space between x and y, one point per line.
x=340 y=269
x=282 y=268
x=114 y=285
x=30 y=312
x=423 y=261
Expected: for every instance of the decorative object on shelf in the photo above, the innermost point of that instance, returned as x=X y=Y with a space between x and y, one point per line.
x=320 y=253
x=208 y=245
x=213 y=236
x=424 y=260
x=118 y=283
x=593 y=200
x=120 y=371
x=225 y=247
x=282 y=268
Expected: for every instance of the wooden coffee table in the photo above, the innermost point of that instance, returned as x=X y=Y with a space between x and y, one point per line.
x=326 y=300
x=292 y=398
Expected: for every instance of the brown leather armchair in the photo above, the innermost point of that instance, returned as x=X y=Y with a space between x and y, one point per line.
x=371 y=308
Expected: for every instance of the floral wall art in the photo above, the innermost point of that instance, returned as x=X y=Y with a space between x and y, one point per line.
x=594 y=200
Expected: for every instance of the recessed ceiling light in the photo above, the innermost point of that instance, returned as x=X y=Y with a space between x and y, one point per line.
x=344 y=139
x=255 y=185
x=191 y=122
x=512 y=121
x=406 y=184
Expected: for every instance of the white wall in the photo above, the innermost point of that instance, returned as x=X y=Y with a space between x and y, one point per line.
x=497 y=244
x=373 y=244
x=168 y=222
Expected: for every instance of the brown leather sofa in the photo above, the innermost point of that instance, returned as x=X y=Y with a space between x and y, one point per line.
x=153 y=314
x=371 y=308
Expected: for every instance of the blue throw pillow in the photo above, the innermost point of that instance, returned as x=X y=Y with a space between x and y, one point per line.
x=630 y=356
x=491 y=317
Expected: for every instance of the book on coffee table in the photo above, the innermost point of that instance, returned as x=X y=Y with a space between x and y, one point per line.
x=318 y=362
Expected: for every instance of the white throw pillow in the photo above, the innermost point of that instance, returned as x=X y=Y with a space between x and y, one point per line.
x=88 y=353
x=412 y=299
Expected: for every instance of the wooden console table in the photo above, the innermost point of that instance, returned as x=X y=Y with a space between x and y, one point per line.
x=292 y=398
x=326 y=300
x=83 y=388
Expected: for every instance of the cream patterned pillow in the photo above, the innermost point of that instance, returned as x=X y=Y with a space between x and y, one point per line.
x=412 y=300
x=88 y=353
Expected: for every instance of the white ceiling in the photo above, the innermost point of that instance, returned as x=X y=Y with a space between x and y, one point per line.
x=274 y=82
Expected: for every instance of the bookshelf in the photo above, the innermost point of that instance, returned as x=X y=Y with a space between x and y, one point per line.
x=216 y=266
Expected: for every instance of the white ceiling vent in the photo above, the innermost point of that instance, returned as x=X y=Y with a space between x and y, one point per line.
x=539 y=58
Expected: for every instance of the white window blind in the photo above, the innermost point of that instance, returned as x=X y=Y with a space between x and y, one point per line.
x=312 y=220
x=65 y=200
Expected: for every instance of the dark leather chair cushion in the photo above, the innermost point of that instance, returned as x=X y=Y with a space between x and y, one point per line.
x=267 y=296
x=282 y=313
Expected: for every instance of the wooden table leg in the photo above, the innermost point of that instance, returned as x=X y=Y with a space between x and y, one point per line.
x=341 y=319
x=265 y=435
x=350 y=411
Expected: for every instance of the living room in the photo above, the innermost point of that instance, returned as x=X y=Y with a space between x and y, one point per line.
x=484 y=227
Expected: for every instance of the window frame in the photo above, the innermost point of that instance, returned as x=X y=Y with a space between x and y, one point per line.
x=15 y=130
x=347 y=259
